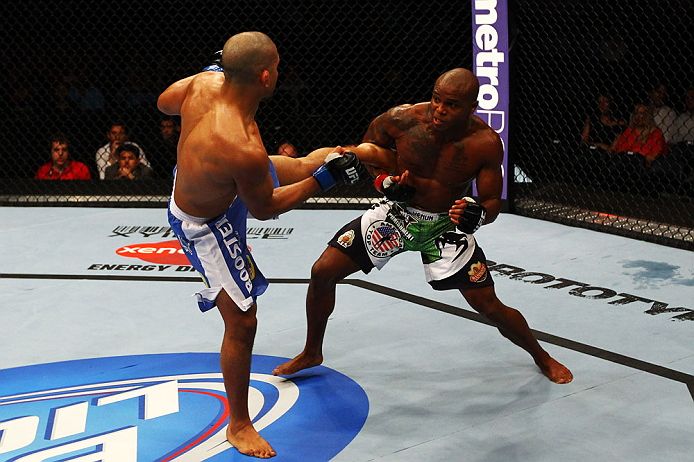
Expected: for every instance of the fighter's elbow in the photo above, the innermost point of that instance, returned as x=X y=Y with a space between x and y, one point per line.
x=163 y=107
x=262 y=214
x=167 y=105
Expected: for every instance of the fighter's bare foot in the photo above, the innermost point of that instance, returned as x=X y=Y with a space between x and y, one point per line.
x=555 y=371
x=302 y=361
x=249 y=442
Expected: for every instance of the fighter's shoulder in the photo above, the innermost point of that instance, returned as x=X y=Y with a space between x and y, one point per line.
x=205 y=82
x=486 y=138
x=402 y=115
x=483 y=131
x=406 y=110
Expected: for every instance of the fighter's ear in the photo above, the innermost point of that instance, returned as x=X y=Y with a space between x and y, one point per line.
x=474 y=107
x=265 y=78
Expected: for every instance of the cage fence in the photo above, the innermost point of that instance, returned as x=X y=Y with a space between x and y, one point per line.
x=602 y=96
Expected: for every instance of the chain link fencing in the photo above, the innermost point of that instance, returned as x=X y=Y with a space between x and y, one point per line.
x=80 y=69
x=604 y=116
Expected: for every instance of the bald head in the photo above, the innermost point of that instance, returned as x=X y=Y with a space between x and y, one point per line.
x=461 y=81
x=246 y=55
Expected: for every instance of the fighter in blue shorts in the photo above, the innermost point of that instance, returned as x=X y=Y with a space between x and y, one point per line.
x=437 y=148
x=223 y=172
x=217 y=250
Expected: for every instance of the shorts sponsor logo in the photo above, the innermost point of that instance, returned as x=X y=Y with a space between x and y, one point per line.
x=382 y=239
x=422 y=216
x=231 y=239
x=346 y=239
x=251 y=267
x=168 y=407
x=478 y=272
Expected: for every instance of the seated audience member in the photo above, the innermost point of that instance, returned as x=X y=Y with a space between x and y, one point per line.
x=684 y=124
x=663 y=115
x=681 y=156
x=602 y=127
x=641 y=136
x=105 y=156
x=128 y=165
x=287 y=149
x=61 y=166
x=164 y=146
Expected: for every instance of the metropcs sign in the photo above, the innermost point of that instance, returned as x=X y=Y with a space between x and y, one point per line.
x=169 y=407
x=490 y=64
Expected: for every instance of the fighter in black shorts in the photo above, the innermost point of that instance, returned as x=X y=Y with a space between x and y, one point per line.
x=424 y=157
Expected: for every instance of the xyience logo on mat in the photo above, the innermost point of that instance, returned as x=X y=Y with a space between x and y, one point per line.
x=165 y=253
x=169 y=407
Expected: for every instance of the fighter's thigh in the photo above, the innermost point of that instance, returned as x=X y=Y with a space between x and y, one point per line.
x=333 y=265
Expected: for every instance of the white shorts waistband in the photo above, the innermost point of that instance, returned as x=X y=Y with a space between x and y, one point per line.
x=423 y=215
x=183 y=216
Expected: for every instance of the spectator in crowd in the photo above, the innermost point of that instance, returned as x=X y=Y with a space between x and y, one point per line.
x=128 y=166
x=61 y=166
x=106 y=155
x=642 y=136
x=684 y=124
x=679 y=163
x=601 y=128
x=663 y=116
x=164 y=146
x=287 y=149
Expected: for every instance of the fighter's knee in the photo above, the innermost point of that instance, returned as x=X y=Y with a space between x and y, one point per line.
x=322 y=273
x=488 y=306
x=326 y=272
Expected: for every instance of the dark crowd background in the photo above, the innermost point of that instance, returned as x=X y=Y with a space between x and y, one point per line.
x=76 y=68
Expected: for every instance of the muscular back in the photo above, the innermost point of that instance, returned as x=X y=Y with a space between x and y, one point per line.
x=216 y=146
x=441 y=166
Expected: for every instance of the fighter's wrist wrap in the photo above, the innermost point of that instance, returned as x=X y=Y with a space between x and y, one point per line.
x=343 y=169
x=473 y=216
x=392 y=190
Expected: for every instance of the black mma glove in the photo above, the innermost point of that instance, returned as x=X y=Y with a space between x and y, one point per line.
x=472 y=217
x=392 y=190
x=216 y=65
x=343 y=169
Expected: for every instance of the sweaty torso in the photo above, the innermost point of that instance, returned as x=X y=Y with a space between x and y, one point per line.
x=441 y=168
x=213 y=136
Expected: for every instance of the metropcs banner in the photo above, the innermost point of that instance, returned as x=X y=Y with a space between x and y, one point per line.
x=490 y=64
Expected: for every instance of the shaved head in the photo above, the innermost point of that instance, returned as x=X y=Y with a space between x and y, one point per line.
x=246 y=55
x=461 y=81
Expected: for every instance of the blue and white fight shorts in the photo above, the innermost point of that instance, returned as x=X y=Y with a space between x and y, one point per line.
x=216 y=247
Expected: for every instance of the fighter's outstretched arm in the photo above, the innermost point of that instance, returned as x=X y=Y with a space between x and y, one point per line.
x=252 y=178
